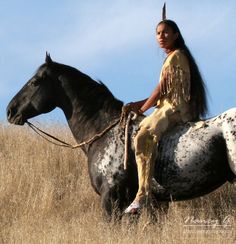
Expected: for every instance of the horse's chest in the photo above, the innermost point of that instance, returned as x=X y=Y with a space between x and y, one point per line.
x=109 y=156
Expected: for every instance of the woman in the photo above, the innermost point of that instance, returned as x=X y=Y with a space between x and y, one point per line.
x=180 y=97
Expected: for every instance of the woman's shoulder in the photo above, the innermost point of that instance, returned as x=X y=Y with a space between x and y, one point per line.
x=178 y=57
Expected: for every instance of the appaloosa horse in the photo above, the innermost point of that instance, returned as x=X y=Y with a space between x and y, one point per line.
x=193 y=160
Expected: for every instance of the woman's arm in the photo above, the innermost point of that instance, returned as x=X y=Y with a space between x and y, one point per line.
x=152 y=100
x=143 y=105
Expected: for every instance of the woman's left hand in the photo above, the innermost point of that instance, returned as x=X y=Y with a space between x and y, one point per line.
x=127 y=108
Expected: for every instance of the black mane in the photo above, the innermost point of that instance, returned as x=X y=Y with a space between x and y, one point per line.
x=84 y=84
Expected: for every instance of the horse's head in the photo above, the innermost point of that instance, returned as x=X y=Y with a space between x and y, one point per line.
x=36 y=97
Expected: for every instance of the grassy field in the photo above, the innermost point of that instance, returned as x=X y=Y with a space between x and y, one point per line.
x=46 y=197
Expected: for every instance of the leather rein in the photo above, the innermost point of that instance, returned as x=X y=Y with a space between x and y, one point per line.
x=62 y=143
x=123 y=121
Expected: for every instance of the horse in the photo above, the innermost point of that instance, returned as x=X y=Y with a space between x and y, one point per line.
x=193 y=158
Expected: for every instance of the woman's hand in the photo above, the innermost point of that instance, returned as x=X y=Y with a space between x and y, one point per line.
x=135 y=107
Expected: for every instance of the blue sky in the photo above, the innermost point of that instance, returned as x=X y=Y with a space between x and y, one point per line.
x=115 y=41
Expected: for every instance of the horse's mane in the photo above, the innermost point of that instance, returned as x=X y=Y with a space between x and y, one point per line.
x=92 y=90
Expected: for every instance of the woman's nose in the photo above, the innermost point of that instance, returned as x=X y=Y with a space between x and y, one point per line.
x=161 y=36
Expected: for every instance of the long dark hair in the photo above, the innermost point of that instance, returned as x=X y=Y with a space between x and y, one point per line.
x=198 y=98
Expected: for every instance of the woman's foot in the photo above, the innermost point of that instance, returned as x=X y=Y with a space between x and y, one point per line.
x=133 y=208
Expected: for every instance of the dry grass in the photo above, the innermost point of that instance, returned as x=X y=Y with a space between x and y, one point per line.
x=46 y=197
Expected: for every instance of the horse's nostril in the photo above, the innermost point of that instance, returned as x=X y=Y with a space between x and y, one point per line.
x=9 y=113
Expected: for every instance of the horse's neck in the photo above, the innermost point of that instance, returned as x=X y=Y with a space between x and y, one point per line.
x=84 y=126
x=86 y=117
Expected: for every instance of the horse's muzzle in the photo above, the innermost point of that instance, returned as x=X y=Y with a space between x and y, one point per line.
x=13 y=117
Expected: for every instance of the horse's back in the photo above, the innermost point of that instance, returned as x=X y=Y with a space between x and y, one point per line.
x=192 y=159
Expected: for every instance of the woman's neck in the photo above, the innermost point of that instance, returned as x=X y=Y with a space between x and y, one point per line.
x=169 y=51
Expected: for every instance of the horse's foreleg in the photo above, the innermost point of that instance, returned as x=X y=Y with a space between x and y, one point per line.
x=112 y=201
x=106 y=203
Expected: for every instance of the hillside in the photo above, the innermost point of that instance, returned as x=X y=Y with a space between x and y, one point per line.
x=46 y=197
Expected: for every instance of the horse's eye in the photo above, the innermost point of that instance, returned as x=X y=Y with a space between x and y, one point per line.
x=44 y=76
x=34 y=82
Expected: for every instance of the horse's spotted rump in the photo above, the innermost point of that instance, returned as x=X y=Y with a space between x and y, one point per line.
x=229 y=133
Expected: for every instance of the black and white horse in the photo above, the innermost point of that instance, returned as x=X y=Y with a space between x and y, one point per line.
x=193 y=159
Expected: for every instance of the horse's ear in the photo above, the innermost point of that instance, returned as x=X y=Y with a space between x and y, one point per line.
x=48 y=59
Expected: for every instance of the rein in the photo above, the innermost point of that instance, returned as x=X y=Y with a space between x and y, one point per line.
x=131 y=116
x=123 y=121
x=62 y=143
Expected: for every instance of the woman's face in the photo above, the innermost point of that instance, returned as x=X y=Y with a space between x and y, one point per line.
x=166 y=36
